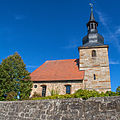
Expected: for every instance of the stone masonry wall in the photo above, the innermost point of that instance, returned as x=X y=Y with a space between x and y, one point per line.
x=87 y=61
x=107 y=108
x=98 y=66
x=59 y=86
x=102 y=82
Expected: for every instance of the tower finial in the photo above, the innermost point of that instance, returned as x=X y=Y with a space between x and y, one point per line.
x=91 y=16
x=91 y=5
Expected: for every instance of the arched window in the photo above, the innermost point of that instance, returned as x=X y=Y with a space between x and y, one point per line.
x=94 y=77
x=94 y=53
x=91 y=26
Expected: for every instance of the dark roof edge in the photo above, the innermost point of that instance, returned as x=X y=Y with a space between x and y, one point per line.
x=90 y=47
x=56 y=80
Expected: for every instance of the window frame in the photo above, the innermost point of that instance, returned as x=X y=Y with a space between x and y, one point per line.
x=94 y=76
x=44 y=93
x=92 y=26
x=94 y=53
x=68 y=90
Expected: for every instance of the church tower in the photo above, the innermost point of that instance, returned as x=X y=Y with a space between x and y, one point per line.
x=93 y=59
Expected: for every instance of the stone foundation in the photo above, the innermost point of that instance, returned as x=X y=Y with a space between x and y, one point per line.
x=57 y=86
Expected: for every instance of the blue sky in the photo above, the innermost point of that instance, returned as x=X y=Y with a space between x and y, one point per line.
x=41 y=30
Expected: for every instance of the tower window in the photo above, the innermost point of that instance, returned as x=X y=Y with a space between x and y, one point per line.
x=68 y=89
x=91 y=26
x=94 y=77
x=94 y=53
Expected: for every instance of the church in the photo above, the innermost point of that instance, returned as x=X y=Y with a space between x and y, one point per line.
x=90 y=71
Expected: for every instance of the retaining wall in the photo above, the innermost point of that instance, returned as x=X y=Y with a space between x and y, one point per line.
x=107 y=108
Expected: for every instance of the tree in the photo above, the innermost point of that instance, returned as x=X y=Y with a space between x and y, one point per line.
x=14 y=77
x=118 y=89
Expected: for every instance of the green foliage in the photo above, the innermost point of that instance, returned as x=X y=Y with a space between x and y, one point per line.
x=84 y=94
x=118 y=90
x=25 y=88
x=14 y=77
x=11 y=96
x=54 y=91
x=54 y=97
x=36 y=95
x=110 y=93
x=1 y=95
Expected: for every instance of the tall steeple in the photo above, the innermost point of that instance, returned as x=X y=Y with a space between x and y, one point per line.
x=91 y=15
x=92 y=38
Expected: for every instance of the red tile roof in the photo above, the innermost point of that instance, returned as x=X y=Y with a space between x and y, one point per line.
x=58 y=70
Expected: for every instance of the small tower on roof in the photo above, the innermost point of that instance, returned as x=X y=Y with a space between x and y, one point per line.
x=93 y=38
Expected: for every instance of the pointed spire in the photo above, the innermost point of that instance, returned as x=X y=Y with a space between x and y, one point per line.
x=91 y=15
x=93 y=38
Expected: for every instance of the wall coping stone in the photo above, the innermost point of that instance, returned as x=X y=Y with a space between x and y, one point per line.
x=68 y=99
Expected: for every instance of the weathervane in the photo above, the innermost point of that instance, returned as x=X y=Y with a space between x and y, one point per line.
x=91 y=5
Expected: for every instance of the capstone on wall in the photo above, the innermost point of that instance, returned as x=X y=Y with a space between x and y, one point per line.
x=97 y=74
x=106 y=108
x=57 y=86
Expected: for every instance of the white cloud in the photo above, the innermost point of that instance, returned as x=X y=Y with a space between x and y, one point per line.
x=114 y=62
x=117 y=32
x=112 y=34
x=102 y=18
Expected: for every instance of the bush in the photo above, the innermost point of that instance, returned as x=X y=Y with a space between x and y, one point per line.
x=54 y=91
x=85 y=94
x=11 y=96
x=36 y=95
x=54 y=97
x=110 y=93
x=118 y=90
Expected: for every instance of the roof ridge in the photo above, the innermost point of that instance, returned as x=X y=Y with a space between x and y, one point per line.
x=60 y=60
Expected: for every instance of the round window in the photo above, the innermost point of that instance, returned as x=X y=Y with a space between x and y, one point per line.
x=35 y=86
